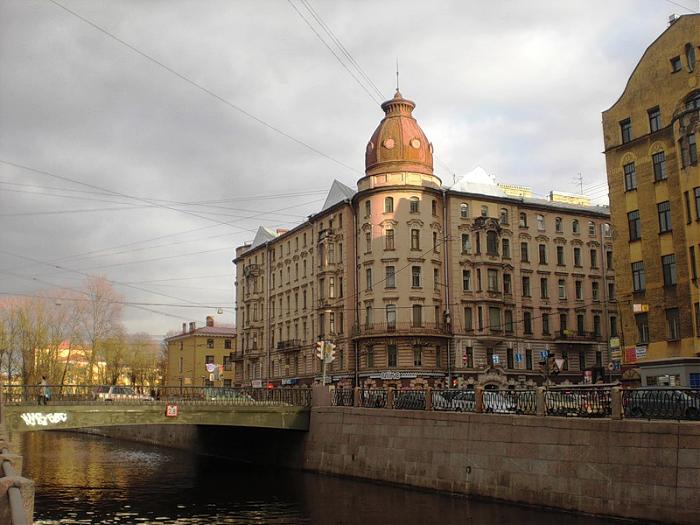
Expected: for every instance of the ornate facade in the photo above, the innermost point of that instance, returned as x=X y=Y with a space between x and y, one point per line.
x=418 y=283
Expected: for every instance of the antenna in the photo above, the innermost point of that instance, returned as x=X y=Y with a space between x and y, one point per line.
x=579 y=179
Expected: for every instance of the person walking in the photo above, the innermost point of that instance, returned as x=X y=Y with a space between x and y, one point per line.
x=44 y=391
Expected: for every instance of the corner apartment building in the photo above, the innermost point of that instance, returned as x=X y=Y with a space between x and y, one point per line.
x=651 y=137
x=421 y=284
x=190 y=351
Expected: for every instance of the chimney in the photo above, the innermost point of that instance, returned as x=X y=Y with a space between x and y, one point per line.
x=210 y=321
x=672 y=18
x=184 y=328
x=193 y=325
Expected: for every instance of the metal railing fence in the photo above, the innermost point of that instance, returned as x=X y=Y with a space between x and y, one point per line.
x=579 y=402
x=661 y=403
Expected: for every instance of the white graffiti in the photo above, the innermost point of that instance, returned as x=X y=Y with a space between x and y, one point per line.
x=32 y=419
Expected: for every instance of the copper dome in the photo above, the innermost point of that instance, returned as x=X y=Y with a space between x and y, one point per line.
x=398 y=143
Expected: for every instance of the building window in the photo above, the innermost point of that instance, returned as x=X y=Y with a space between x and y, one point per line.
x=578 y=287
x=495 y=319
x=524 y=254
x=368 y=245
x=642 y=322
x=696 y=192
x=676 y=64
x=433 y=206
x=416 y=276
x=210 y=344
x=369 y=318
x=464 y=210
x=580 y=324
x=561 y=285
x=595 y=291
x=544 y=288
x=388 y=204
x=417 y=315
x=209 y=359
x=664 y=211
x=577 y=256
x=413 y=203
x=609 y=259
x=654 y=119
x=466 y=280
x=543 y=253
x=227 y=344
x=390 y=277
x=540 y=222
x=638 y=278
x=611 y=290
x=415 y=239
x=417 y=355
x=668 y=263
x=436 y=246
x=505 y=248
x=368 y=210
x=594 y=258
x=391 y=316
x=693 y=263
x=509 y=358
x=659 y=162
x=522 y=222
x=484 y=211
x=368 y=274
x=626 y=130
x=491 y=243
x=526 y=286
x=545 y=323
x=575 y=226
x=630 y=176
x=466 y=244
x=507 y=286
x=596 y=325
x=504 y=216
x=492 y=278
x=560 y=255
x=634 y=225
x=527 y=323
x=562 y=322
x=673 y=324
x=388 y=239
x=391 y=356
x=468 y=326
x=692 y=150
x=369 y=356
x=557 y=225
x=591 y=229
x=690 y=56
x=528 y=359
x=436 y=279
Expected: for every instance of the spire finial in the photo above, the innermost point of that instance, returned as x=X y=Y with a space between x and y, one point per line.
x=397 y=74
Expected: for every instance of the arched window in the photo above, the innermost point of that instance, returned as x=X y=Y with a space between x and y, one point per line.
x=690 y=56
x=557 y=224
x=504 y=216
x=693 y=101
x=388 y=204
x=540 y=222
x=464 y=210
x=523 y=219
x=575 y=226
x=414 y=204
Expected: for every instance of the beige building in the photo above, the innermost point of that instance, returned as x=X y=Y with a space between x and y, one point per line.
x=190 y=351
x=652 y=162
x=418 y=283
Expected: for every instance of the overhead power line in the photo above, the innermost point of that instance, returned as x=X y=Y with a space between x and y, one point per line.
x=202 y=88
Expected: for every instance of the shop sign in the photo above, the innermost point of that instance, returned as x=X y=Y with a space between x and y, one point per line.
x=392 y=376
x=640 y=308
x=256 y=383
x=640 y=351
x=616 y=354
x=290 y=381
x=630 y=354
x=614 y=342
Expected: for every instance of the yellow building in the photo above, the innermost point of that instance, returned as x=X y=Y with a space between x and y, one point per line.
x=650 y=138
x=417 y=283
x=194 y=348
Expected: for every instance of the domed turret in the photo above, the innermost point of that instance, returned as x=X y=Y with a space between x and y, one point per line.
x=398 y=144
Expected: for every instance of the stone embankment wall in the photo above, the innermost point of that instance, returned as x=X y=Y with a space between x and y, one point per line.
x=648 y=470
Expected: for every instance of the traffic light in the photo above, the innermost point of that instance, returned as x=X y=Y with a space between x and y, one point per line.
x=330 y=352
x=319 y=349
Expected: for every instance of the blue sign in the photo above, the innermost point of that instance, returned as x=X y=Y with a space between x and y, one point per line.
x=544 y=355
x=495 y=359
x=518 y=358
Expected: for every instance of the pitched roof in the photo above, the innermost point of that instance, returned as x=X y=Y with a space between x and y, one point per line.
x=338 y=193
x=262 y=236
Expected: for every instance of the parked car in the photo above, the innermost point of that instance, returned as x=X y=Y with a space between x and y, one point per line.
x=227 y=394
x=119 y=393
x=464 y=401
x=661 y=403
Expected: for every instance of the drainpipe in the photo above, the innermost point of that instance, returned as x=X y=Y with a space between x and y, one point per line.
x=446 y=285
x=268 y=257
x=356 y=295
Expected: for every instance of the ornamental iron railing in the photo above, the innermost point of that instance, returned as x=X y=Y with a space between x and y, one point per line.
x=661 y=403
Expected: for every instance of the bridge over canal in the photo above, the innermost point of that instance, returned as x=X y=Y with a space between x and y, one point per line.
x=78 y=406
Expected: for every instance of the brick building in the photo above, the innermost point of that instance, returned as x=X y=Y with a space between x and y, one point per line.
x=652 y=163
x=420 y=283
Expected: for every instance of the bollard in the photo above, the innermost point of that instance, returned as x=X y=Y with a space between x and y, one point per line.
x=428 y=398
x=479 y=399
x=357 y=397
x=390 y=397
x=616 y=402
x=539 y=401
x=320 y=396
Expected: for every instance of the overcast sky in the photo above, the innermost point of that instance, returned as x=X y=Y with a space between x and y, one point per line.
x=151 y=181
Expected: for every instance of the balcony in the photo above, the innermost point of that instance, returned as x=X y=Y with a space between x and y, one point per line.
x=251 y=270
x=574 y=336
x=397 y=329
x=290 y=345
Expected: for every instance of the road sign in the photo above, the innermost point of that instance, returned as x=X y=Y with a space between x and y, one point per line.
x=544 y=355
x=518 y=358
x=171 y=410
x=495 y=359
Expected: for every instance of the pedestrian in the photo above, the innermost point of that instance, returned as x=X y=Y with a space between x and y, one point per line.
x=44 y=391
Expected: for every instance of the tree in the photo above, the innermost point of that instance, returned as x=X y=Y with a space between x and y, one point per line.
x=100 y=319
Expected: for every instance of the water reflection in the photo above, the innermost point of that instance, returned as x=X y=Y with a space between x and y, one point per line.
x=89 y=479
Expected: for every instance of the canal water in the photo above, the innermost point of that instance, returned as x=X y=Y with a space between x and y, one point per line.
x=89 y=479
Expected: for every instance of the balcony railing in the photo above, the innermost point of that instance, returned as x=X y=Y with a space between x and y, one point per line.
x=400 y=328
x=289 y=345
x=572 y=335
